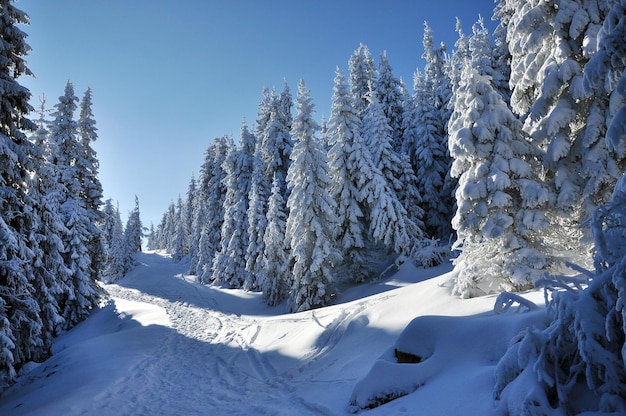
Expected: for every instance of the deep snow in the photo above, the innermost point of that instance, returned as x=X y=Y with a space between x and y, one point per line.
x=166 y=345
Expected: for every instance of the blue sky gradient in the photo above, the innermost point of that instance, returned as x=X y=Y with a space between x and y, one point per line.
x=168 y=77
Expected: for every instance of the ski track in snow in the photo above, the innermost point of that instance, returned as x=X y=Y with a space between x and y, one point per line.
x=207 y=341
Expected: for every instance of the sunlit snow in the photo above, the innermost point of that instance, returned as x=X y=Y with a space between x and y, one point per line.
x=166 y=345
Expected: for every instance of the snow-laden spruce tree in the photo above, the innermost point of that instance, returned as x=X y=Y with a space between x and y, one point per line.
x=549 y=43
x=389 y=221
x=362 y=75
x=20 y=323
x=212 y=188
x=115 y=264
x=133 y=232
x=393 y=98
x=49 y=268
x=578 y=362
x=178 y=249
x=351 y=170
x=276 y=143
x=276 y=271
x=198 y=256
x=166 y=230
x=500 y=200
x=68 y=157
x=187 y=216
x=312 y=214
x=229 y=266
x=426 y=139
x=92 y=188
x=271 y=158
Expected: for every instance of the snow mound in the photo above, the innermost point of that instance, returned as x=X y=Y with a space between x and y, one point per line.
x=441 y=354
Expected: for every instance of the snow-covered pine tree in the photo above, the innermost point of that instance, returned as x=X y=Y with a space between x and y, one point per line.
x=500 y=201
x=199 y=214
x=151 y=241
x=362 y=76
x=576 y=364
x=20 y=322
x=229 y=263
x=426 y=140
x=393 y=98
x=348 y=188
x=272 y=152
x=133 y=232
x=68 y=157
x=276 y=271
x=257 y=220
x=187 y=216
x=167 y=228
x=49 y=268
x=604 y=83
x=215 y=192
x=391 y=94
x=92 y=188
x=276 y=143
x=116 y=254
x=180 y=236
x=311 y=223
x=389 y=222
x=460 y=54
x=114 y=264
x=549 y=43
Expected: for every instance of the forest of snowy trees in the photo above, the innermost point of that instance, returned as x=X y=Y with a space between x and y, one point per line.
x=56 y=239
x=506 y=157
x=503 y=157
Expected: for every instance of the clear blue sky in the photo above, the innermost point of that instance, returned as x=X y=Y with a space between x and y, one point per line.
x=169 y=76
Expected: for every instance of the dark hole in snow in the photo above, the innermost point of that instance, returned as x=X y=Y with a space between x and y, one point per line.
x=406 y=358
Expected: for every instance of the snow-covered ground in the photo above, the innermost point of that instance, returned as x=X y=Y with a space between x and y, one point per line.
x=166 y=345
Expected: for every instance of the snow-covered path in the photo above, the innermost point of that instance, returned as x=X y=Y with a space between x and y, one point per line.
x=166 y=345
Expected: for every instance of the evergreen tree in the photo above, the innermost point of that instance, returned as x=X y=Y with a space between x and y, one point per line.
x=271 y=158
x=353 y=180
x=392 y=96
x=133 y=232
x=178 y=250
x=362 y=77
x=311 y=222
x=116 y=262
x=20 y=325
x=427 y=140
x=49 y=268
x=257 y=220
x=68 y=157
x=151 y=243
x=215 y=191
x=91 y=186
x=548 y=93
x=276 y=271
x=389 y=222
x=500 y=201
x=229 y=264
x=576 y=363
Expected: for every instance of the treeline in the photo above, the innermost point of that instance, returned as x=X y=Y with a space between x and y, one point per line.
x=55 y=241
x=294 y=208
x=409 y=173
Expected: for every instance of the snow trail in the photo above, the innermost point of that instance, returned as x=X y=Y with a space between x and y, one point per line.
x=208 y=360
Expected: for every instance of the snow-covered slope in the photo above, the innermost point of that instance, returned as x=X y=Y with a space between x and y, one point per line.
x=166 y=345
